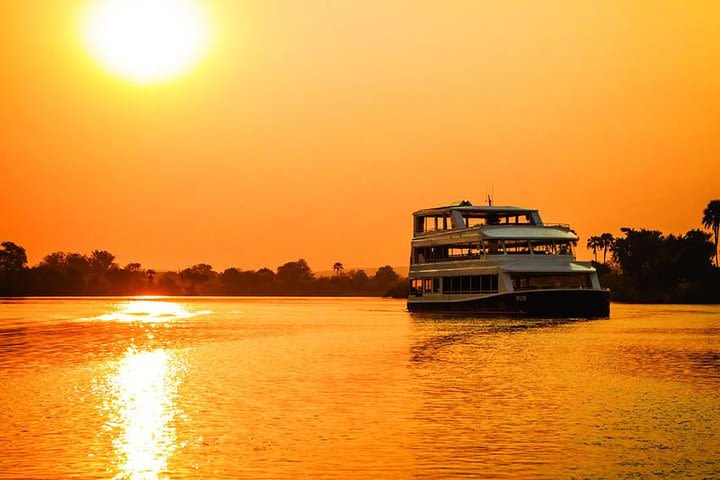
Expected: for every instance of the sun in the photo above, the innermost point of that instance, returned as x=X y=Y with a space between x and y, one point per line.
x=147 y=41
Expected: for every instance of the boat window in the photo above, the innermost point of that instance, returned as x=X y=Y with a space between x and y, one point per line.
x=507 y=219
x=426 y=254
x=431 y=224
x=416 y=287
x=467 y=250
x=444 y=253
x=532 y=281
x=549 y=247
x=437 y=223
x=489 y=283
x=470 y=284
x=475 y=221
x=436 y=285
x=428 y=283
x=543 y=247
x=564 y=248
x=515 y=247
x=493 y=247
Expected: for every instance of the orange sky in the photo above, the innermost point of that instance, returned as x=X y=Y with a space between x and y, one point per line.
x=313 y=129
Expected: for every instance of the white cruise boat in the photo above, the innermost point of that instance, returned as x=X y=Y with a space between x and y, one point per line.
x=501 y=260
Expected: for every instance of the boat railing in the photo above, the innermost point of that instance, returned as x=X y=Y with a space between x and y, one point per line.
x=450 y=258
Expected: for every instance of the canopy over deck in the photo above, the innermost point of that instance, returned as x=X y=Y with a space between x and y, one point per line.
x=469 y=210
x=528 y=267
x=521 y=232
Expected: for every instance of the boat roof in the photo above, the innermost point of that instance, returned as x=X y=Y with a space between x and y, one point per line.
x=529 y=232
x=469 y=209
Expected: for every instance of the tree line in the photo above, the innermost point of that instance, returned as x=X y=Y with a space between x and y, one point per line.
x=649 y=266
x=70 y=273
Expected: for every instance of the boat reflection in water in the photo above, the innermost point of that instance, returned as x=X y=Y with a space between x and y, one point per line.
x=141 y=396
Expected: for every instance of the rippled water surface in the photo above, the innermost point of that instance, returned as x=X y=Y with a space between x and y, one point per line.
x=339 y=388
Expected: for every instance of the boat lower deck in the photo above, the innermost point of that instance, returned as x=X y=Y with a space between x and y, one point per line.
x=555 y=303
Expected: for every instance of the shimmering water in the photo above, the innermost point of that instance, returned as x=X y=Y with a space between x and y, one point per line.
x=339 y=388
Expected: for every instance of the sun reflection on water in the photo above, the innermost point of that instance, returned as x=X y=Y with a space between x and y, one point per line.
x=142 y=412
x=149 y=311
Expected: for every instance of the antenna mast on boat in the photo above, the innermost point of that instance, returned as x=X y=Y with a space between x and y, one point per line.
x=489 y=196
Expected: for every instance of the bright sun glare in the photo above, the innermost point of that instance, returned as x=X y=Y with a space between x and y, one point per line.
x=147 y=41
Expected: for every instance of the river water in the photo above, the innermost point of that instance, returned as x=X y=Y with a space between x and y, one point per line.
x=343 y=388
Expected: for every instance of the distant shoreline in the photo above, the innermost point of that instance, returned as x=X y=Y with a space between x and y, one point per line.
x=97 y=274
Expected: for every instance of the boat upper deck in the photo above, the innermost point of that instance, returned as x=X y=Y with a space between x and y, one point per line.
x=490 y=221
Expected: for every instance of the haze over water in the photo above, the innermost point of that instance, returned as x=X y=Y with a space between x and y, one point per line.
x=331 y=388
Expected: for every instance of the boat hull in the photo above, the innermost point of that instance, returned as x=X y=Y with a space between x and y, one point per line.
x=551 y=303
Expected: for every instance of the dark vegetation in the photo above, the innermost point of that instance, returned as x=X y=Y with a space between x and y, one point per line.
x=61 y=273
x=648 y=266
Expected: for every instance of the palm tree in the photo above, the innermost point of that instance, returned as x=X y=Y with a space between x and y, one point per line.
x=711 y=221
x=606 y=241
x=594 y=244
x=337 y=268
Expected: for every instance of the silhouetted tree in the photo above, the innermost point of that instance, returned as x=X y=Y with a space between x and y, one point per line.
x=337 y=268
x=77 y=273
x=692 y=254
x=170 y=283
x=359 y=280
x=237 y=282
x=12 y=257
x=711 y=221
x=295 y=276
x=101 y=261
x=53 y=261
x=61 y=273
x=133 y=267
x=385 y=277
x=265 y=280
x=77 y=261
x=12 y=269
x=196 y=275
x=605 y=241
x=150 y=274
x=594 y=244
x=639 y=253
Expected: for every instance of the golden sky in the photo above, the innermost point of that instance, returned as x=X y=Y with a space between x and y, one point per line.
x=314 y=128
